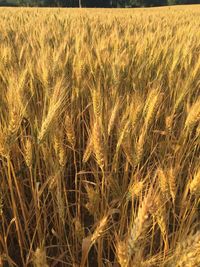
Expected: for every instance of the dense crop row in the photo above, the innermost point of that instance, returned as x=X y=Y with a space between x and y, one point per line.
x=100 y=137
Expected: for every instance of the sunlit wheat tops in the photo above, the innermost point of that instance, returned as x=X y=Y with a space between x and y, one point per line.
x=56 y=104
x=193 y=115
x=100 y=137
x=187 y=252
x=195 y=184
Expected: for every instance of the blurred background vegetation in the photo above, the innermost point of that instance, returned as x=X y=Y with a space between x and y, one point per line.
x=95 y=3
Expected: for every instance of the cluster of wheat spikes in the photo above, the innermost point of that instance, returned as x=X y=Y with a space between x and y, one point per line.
x=100 y=137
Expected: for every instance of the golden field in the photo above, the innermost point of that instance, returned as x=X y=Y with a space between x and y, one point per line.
x=100 y=137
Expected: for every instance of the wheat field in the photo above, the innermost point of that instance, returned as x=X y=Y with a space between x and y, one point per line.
x=100 y=137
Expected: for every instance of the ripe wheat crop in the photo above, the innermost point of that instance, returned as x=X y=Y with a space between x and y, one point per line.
x=100 y=137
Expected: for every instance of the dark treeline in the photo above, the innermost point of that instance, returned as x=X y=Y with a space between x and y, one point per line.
x=95 y=3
